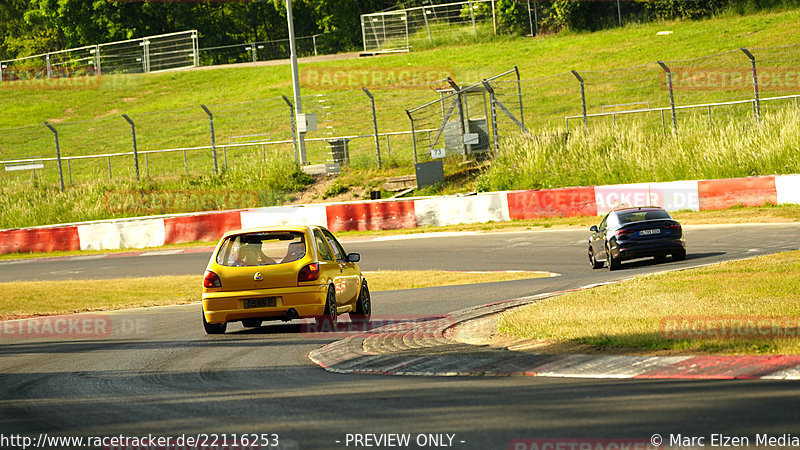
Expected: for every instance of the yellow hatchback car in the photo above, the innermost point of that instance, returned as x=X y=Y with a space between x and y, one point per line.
x=282 y=273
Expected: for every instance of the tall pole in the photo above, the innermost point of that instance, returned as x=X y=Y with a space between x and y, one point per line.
x=755 y=82
x=213 y=140
x=294 y=129
x=671 y=96
x=58 y=156
x=135 y=150
x=583 y=101
x=301 y=142
x=374 y=126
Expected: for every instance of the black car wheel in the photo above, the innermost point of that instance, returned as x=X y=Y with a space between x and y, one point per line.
x=679 y=255
x=363 y=310
x=214 y=328
x=613 y=263
x=327 y=322
x=592 y=262
x=251 y=323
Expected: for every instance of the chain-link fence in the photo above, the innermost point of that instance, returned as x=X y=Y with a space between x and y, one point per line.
x=466 y=121
x=370 y=127
x=741 y=84
x=143 y=55
x=157 y=53
x=250 y=52
x=426 y=26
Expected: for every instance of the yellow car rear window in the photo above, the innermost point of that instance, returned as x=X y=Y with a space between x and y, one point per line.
x=261 y=249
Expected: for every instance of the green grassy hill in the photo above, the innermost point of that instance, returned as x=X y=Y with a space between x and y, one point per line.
x=246 y=100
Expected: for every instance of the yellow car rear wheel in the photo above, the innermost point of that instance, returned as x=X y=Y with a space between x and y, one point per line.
x=327 y=321
x=214 y=328
x=363 y=310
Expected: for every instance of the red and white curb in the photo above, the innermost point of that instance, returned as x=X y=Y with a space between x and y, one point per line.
x=156 y=231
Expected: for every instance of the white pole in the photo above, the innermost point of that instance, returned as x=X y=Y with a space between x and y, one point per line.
x=296 y=83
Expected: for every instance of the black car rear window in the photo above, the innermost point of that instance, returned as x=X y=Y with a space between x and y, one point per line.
x=638 y=216
x=261 y=249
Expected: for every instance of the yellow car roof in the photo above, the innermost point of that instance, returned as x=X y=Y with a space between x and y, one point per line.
x=297 y=228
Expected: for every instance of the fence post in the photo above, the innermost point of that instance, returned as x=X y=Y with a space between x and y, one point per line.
x=519 y=93
x=583 y=102
x=135 y=151
x=145 y=56
x=314 y=41
x=294 y=129
x=493 y=102
x=755 y=82
x=195 y=49
x=472 y=15
x=109 y=168
x=58 y=156
x=710 y=123
x=494 y=19
x=671 y=96
x=185 y=164
x=255 y=52
x=413 y=137
x=460 y=114
x=98 y=71
x=69 y=170
x=213 y=139
x=427 y=27
x=374 y=126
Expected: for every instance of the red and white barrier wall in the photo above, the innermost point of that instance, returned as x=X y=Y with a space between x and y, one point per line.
x=407 y=213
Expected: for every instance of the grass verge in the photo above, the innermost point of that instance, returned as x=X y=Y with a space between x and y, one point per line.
x=741 y=300
x=35 y=298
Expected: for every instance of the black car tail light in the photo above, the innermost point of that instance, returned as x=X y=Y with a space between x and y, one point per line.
x=211 y=280
x=308 y=273
x=623 y=232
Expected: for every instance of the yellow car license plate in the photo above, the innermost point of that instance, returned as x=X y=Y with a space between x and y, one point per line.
x=261 y=302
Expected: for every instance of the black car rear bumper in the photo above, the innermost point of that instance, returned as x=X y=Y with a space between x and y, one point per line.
x=634 y=250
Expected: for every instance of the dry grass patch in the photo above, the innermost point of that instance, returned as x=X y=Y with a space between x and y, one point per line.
x=634 y=315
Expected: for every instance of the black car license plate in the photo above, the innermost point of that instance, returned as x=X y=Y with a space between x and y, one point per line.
x=649 y=232
x=262 y=302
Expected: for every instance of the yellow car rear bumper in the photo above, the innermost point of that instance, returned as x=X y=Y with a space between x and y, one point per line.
x=222 y=307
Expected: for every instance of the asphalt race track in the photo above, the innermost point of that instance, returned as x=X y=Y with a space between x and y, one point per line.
x=164 y=376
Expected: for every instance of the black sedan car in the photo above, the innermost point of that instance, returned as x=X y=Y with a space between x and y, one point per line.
x=632 y=233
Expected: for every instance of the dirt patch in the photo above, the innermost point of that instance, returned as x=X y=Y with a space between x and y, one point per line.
x=323 y=186
x=113 y=112
x=67 y=115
